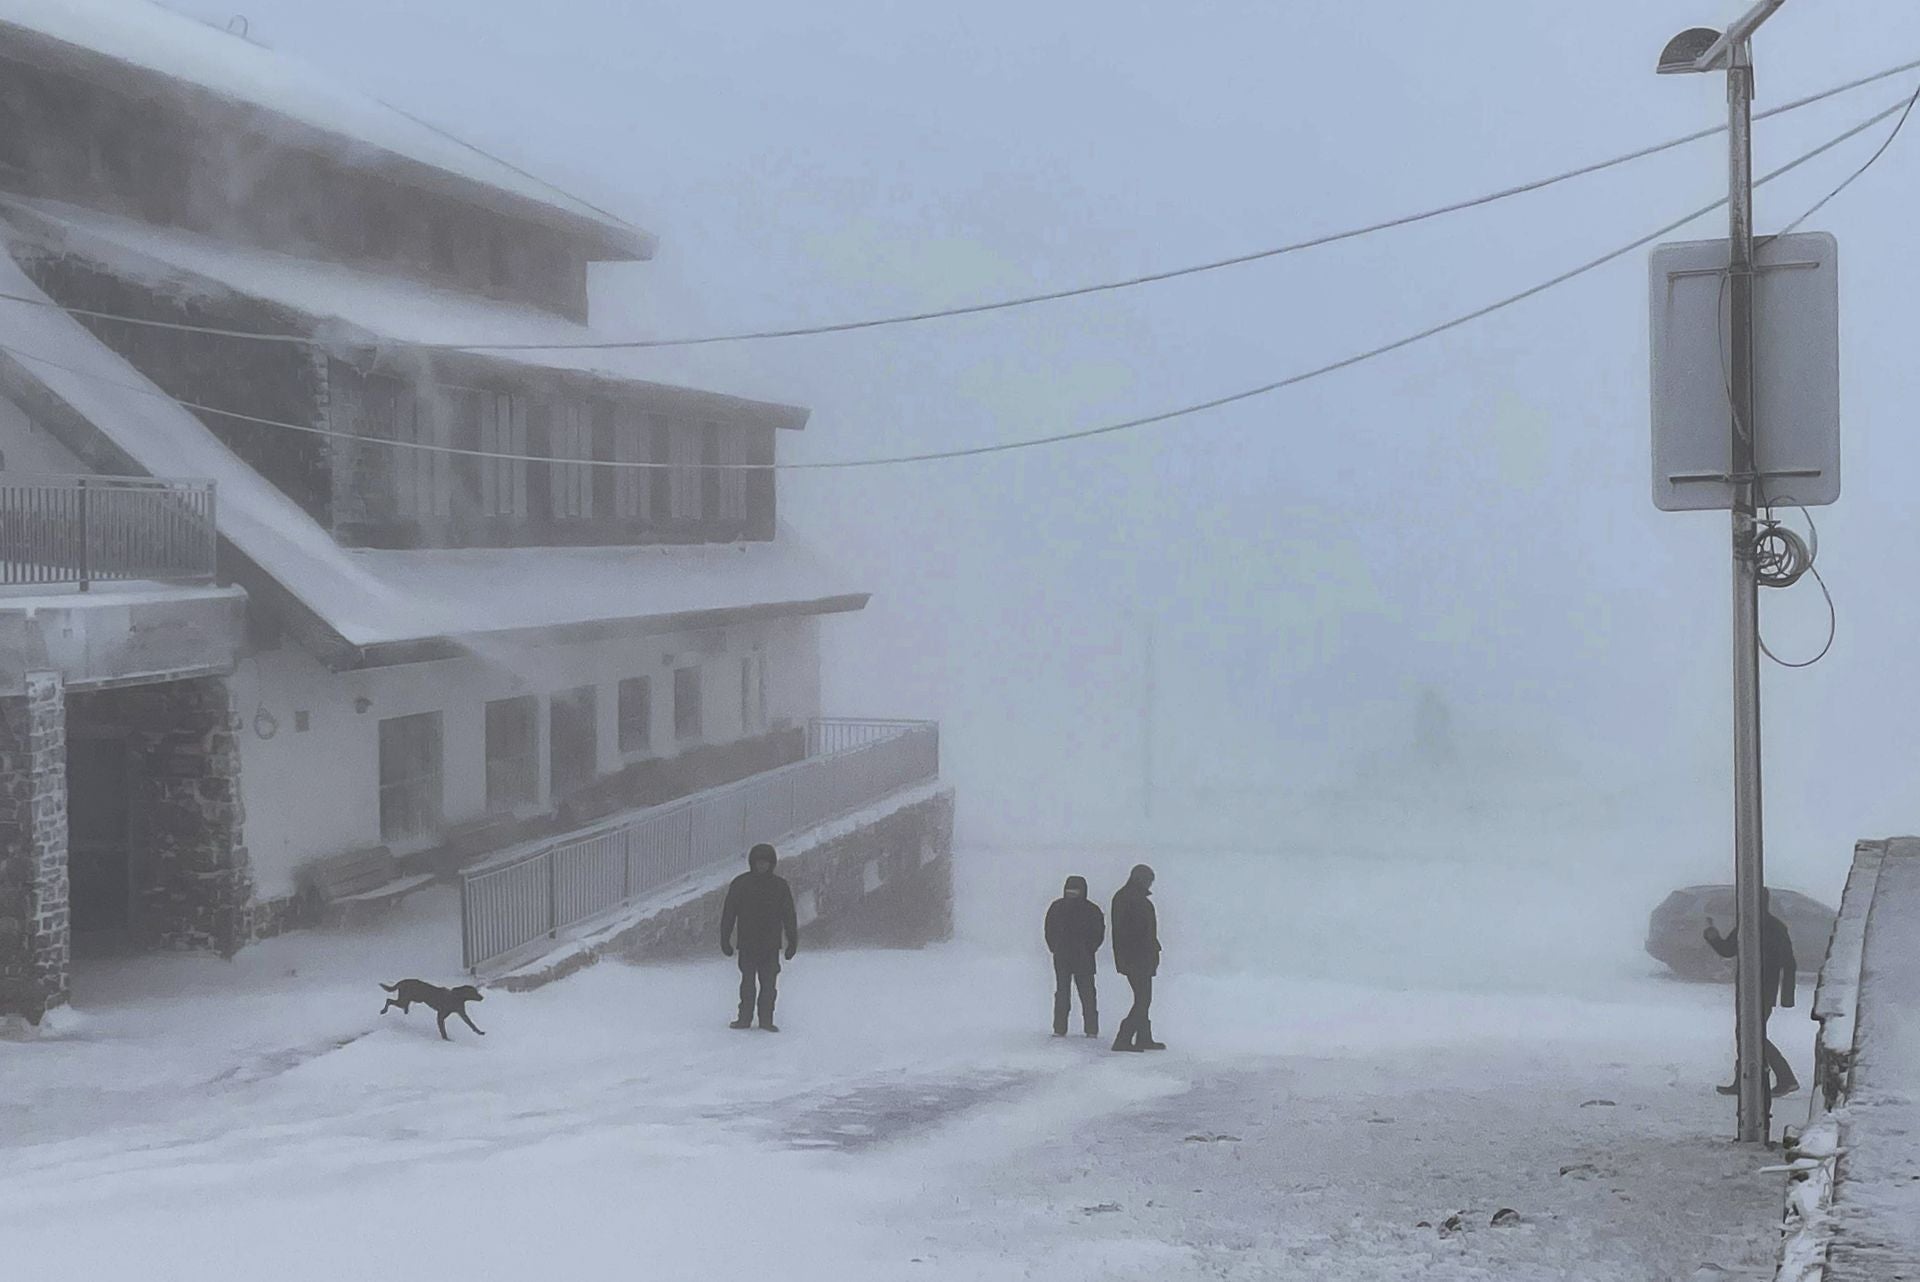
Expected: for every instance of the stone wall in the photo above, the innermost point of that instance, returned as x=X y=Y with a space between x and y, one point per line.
x=884 y=881
x=192 y=880
x=33 y=849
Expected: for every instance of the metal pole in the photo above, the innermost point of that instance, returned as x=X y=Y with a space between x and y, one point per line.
x=1748 y=846
x=85 y=513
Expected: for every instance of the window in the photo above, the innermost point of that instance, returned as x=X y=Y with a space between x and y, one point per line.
x=503 y=430
x=733 y=474
x=660 y=479
x=422 y=478
x=636 y=714
x=632 y=486
x=571 y=437
x=753 y=693
x=573 y=739
x=513 y=753
x=686 y=703
x=684 y=448
x=410 y=785
x=444 y=245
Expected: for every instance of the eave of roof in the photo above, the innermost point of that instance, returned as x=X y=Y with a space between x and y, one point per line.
x=377 y=321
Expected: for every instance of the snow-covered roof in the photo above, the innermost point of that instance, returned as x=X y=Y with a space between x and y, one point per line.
x=145 y=35
x=371 y=599
x=350 y=307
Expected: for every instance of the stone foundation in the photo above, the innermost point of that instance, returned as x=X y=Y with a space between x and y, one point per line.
x=33 y=848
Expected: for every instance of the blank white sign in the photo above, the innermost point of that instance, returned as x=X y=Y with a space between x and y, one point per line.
x=1796 y=382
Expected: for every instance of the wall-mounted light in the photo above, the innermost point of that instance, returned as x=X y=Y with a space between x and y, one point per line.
x=361 y=703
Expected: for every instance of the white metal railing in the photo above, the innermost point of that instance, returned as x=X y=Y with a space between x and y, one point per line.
x=850 y=764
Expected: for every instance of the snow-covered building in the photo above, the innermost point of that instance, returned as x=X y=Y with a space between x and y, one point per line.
x=414 y=597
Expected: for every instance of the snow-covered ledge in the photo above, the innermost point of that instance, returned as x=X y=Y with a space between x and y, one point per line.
x=1814 y=1154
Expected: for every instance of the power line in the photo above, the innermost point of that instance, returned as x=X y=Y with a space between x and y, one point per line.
x=1081 y=291
x=1848 y=181
x=1024 y=443
x=1004 y=304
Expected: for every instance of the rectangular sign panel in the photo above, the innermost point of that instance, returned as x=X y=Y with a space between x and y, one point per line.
x=1796 y=383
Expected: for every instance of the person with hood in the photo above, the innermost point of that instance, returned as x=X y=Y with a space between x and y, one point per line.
x=1075 y=930
x=1778 y=970
x=1136 y=954
x=760 y=904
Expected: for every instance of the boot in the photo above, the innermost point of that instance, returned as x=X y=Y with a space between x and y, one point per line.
x=1731 y=1088
x=741 y=1023
x=1787 y=1087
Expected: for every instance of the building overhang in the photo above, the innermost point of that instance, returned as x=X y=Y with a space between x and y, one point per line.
x=120 y=634
x=340 y=655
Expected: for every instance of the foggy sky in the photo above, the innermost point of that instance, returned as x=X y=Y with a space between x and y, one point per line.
x=1471 y=515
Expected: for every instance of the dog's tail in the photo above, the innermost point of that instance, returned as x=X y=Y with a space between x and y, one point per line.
x=392 y=988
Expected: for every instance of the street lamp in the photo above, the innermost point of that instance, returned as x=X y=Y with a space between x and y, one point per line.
x=1701 y=49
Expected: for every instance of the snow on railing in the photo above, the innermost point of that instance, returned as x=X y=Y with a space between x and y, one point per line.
x=1813 y=1154
x=507 y=906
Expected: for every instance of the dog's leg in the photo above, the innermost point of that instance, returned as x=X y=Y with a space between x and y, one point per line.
x=462 y=1013
x=390 y=1005
x=443 y=1027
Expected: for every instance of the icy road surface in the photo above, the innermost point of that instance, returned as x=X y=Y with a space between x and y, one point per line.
x=196 y=1119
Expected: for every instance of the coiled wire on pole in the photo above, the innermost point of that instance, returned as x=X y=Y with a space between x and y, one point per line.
x=1780 y=555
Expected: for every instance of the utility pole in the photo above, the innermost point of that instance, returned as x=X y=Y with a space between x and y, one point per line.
x=1748 y=830
x=1731 y=51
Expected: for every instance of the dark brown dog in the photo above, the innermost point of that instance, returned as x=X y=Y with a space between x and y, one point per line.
x=443 y=1001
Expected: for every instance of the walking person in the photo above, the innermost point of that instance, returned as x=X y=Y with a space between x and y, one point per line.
x=1075 y=930
x=1136 y=954
x=760 y=904
x=1778 y=970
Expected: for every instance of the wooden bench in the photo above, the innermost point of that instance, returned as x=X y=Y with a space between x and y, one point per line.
x=358 y=880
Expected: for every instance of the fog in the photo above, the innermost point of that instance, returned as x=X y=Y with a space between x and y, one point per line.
x=1223 y=630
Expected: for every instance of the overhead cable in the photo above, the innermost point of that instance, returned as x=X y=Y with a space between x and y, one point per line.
x=1005 y=304
x=1108 y=429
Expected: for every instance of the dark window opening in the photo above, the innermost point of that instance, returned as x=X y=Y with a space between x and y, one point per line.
x=573 y=740
x=636 y=714
x=686 y=703
x=513 y=753
x=411 y=789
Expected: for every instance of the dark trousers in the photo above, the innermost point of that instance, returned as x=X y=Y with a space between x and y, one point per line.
x=761 y=971
x=1777 y=1067
x=1137 y=1028
x=1066 y=978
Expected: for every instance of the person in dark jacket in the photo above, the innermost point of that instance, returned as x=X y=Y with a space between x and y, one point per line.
x=760 y=904
x=1778 y=970
x=1075 y=930
x=1136 y=954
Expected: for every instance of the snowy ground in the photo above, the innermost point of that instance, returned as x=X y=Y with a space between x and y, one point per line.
x=199 y=1119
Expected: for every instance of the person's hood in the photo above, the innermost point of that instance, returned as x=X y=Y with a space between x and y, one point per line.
x=1074 y=883
x=763 y=854
x=1141 y=879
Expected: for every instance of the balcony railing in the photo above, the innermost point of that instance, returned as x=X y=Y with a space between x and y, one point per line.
x=87 y=529
x=508 y=906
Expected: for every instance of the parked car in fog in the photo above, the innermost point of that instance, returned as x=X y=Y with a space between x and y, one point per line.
x=1674 y=930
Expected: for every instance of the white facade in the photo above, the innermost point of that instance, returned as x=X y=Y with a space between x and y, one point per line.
x=314 y=792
